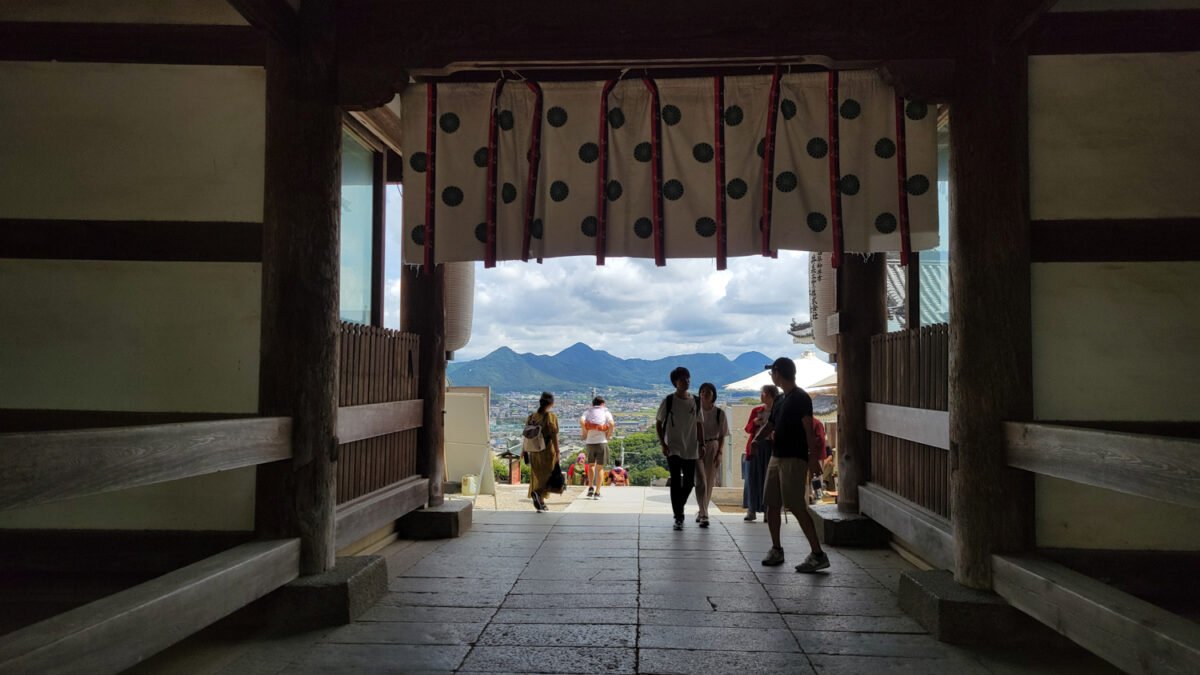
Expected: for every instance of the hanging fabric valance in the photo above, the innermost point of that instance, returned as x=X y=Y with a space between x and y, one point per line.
x=809 y=161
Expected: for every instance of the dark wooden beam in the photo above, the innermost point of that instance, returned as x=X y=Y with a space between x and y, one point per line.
x=1116 y=240
x=912 y=292
x=276 y=18
x=123 y=629
x=928 y=533
x=1116 y=32
x=150 y=240
x=40 y=467
x=377 y=419
x=930 y=80
x=990 y=317
x=96 y=552
x=384 y=125
x=1160 y=468
x=378 y=235
x=380 y=42
x=23 y=419
x=1132 y=634
x=862 y=312
x=360 y=517
x=298 y=372
x=131 y=43
x=395 y=168
x=423 y=311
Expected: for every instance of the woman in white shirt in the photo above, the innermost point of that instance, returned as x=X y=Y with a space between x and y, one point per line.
x=715 y=425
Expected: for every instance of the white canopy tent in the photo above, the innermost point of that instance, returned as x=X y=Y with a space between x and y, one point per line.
x=812 y=374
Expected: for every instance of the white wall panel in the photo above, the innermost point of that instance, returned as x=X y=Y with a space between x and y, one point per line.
x=131 y=142
x=129 y=335
x=1114 y=136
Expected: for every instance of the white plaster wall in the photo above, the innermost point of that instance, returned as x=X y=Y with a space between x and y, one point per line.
x=122 y=11
x=148 y=336
x=1114 y=135
x=467 y=437
x=1116 y=341
x=136 y=142
x=103 y=141
x=217 y=501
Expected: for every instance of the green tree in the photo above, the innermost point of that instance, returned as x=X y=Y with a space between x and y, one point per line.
x=645 y=476
x=642 y=451
x=500 y=471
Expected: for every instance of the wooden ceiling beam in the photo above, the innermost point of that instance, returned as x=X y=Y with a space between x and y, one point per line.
x=276 y=18
x=380 y=42
x=131 y=43
x=1116 y=32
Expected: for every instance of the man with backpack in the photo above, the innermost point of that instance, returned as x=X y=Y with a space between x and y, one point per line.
x=678 y=427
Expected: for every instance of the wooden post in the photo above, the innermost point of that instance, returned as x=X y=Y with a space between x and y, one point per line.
x=862 y=312
x=990 y=344
x=423 y=311
x=299 y=360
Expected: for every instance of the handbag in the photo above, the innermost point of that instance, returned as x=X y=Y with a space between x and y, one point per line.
x=556 y=483
x=531 y=437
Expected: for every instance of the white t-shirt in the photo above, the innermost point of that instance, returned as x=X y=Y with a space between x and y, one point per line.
x=681 y=429
x=593 y=417
x=715 y=422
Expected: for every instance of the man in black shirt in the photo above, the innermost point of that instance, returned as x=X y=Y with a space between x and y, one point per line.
x=791 y=424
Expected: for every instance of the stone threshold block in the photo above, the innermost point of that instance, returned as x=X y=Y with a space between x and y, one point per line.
x=836 y=528
x=451 y=519
x=333 y=598
x=964 y=616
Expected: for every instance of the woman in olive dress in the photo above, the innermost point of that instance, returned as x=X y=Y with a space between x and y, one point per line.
x=541 y=464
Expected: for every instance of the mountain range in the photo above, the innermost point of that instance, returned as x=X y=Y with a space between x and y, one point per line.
x=581 y=367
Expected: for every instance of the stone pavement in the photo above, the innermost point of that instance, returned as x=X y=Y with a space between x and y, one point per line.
x=608 y=587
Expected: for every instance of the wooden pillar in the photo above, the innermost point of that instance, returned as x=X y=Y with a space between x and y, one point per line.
x=299 y=367
x=423 y=311
x=862 y=312
x=990 y=349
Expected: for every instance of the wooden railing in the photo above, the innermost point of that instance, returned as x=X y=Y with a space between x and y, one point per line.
x=907 y=415
x=377 y=395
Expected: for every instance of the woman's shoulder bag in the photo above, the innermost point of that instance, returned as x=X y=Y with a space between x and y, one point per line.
x=531 y=437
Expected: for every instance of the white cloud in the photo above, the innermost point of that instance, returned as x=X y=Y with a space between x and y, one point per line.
x=633 y=309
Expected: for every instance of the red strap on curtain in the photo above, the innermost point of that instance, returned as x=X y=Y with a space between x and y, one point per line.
x=489 y=252
x=902 y=181
x=768 y=185
x=835 y=195
x=719 y=146
x=656 y=177
x=535 y=160
x=430 y=171
x=602 y=175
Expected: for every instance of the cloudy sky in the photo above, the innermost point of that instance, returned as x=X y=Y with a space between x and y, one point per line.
x=629 y=307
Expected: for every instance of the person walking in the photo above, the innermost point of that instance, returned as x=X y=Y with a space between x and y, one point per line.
x=714 y=427
x=791 y=423
x=541 y=464
x=754 y=463
x=597 y=424
x=678 y=427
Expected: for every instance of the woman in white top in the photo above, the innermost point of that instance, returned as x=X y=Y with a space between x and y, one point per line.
x=715 y=426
